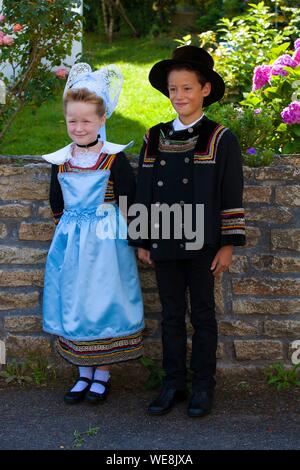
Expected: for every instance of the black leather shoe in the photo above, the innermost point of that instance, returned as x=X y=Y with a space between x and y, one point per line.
x=200 y=403
x=95 y=398
x=167 y=398
x=76 y=397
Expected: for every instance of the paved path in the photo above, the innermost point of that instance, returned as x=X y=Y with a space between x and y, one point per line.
x=37 y=418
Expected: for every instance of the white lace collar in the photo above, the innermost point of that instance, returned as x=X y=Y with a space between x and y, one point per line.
x=64 y=154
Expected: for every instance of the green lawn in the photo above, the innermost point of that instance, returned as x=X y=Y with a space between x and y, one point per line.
x=140 y=106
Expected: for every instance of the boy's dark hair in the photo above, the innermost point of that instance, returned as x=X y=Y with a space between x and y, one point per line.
x=201 y=78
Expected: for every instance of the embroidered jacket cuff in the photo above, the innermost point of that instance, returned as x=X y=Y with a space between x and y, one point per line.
x=233 y=227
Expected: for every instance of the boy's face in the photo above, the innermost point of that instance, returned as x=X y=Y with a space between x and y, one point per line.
x=83 y=122
x=187 y=94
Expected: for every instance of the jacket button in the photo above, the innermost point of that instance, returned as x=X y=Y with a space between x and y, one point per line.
x=186 y=159
x=154 y=245
x=171 y=133
x=160 y=183
x=185 y=180
x=190 y=130
x=163 y=162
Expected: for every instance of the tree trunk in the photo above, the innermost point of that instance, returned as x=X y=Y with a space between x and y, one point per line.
x=110 y=6
x=105 y=19
x=124 y=14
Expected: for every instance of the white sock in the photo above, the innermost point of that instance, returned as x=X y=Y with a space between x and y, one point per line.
x=100 y=375
x=83 y=372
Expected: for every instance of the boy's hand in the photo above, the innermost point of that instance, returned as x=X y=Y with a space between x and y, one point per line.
x=144 y=256
x=222 y=260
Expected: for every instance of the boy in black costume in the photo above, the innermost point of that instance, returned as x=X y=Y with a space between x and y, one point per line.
x=190 y=161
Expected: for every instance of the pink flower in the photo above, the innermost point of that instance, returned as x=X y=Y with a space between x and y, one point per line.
x=257 y=111
x=2 y=18
x=296 y=55
x=61 y=73
x=261 y=76
x=278 y=70
x=18 y=27
x=297 y=43
x=7 y=40
x=291 y=114
x=2 y=34
x=285 y=60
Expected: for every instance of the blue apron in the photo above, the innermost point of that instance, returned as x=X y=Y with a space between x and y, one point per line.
x=91 y=286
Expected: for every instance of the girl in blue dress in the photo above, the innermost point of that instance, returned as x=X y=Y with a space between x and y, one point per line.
x=92 y=299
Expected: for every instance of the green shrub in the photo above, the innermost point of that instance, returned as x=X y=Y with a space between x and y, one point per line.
x=16 y=373
x=281 y=377
x=253 y=129
x=244 y=42
x=35 y=368
x=278 y=95
x=156 y=373
x=211 y=11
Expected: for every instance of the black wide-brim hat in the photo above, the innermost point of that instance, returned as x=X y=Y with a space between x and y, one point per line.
x=196 y=58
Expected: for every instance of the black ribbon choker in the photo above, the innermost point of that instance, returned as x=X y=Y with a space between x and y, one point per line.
x=89 y=145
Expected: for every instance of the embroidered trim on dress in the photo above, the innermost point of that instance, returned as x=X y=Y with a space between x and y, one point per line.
x=104 y=162
x=102 y=351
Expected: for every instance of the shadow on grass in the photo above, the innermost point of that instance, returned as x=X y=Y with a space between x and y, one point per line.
x=122 y=130
x=97 y=51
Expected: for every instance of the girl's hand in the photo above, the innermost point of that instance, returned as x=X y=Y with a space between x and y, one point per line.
x=222 y=260
x=144 y=256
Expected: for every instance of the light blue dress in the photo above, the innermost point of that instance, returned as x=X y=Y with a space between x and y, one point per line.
x=91 y=286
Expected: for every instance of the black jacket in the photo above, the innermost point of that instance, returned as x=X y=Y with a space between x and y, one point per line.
x=199 y=165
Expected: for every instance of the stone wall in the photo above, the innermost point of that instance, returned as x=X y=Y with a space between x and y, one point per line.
x=258 y=302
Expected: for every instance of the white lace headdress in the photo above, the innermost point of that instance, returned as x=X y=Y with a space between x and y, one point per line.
x=106 y=82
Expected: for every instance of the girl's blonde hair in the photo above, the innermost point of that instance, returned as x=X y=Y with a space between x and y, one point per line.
x=85 y=96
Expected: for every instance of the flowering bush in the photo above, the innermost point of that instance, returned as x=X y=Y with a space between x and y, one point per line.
x=61 y=73
x=276 y=89
x=35 y=37
x=252 y=128
x=244 y=41
x=291 y=114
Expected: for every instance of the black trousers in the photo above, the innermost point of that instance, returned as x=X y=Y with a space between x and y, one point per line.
x=174 y=277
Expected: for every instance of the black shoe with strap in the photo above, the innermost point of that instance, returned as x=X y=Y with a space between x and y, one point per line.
x=200 y=403
x=76 y=397
x=166 y=400
x=95 y=398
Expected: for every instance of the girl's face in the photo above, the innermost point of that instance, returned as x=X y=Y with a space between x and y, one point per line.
x=83 y=122
x=187 y=94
